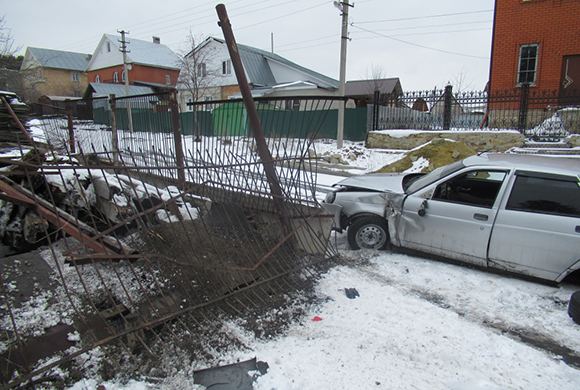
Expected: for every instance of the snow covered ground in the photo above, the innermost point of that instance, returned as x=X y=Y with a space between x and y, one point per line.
x=416 y=324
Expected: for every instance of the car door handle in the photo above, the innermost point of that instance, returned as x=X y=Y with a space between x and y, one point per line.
x=480 y=217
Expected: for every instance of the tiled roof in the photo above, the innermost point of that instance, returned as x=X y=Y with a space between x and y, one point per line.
x=58 y=59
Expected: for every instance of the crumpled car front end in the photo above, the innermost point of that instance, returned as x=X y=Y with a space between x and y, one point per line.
x=375 y=194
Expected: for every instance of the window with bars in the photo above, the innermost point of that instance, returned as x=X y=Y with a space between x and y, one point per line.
x=528 y=64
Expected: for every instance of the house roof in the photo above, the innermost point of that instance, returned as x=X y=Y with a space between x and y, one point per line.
x=367 y=87
x=58 y=59
x=102 y=89
x=142 y=53
x=256 y=65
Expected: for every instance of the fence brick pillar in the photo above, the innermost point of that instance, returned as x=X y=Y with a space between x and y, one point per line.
x=447 y=99
x=114 y=134
x=523 y=114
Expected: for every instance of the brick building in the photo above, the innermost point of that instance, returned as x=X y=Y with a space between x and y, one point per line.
x=536 y=42
x=149 y=62
x=53 y=72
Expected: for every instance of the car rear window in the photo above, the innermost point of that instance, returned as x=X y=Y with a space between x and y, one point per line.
x=545 y=195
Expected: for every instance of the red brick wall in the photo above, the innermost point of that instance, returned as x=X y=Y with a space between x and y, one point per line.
x=554 y=24
x=138 y=72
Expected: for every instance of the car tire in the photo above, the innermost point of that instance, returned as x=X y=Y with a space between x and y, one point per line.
x=368 y=233
x=574 y=307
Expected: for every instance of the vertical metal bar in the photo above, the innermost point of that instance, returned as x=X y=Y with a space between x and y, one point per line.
x=177 y=139
x=114 y=135
x=71 y=132
x=447 y=107
x=523 y=113
x=376 y=104
x=263 y=150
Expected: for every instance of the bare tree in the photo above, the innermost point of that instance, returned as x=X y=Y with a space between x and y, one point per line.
x=197 y=75
x=7 y=46
x=460 y=82
x=374 y=75
x=9 y=63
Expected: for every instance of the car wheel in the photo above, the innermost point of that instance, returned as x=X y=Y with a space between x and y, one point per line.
x=368 y=233
x=574 y=307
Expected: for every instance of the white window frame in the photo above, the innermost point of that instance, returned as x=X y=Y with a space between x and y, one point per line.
x=524 y=64
x=97 y=79
x=226 y=67
x=201 y=69
x=75 y=77
x=167 y=79
x=116 y=77
x=123 y=76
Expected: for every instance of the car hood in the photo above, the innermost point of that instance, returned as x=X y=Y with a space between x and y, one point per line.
x=391 y=182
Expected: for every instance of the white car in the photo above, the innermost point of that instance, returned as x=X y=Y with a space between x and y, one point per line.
x=519 y=213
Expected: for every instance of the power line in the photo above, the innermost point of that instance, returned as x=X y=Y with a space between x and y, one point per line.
x=283 y=16
x=417 y=45
x=426 y=17
x=435 y=25
x=433 y=33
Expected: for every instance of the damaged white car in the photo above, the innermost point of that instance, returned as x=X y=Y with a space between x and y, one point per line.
x=519 y=213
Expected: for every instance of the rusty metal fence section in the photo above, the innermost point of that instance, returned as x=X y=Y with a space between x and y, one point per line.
x=130 y=256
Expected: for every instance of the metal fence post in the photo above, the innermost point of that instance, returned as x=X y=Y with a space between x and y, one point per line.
x=447 y=99
x=376 y=104
x=71 y=130
x=179 y=158
x=114 y=135
x=262 y=146
x=524 y=100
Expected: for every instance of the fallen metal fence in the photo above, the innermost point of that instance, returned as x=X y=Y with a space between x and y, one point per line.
x=132 y=259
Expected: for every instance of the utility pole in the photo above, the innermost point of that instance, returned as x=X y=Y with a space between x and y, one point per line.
x=343 y=6
x=126 y=72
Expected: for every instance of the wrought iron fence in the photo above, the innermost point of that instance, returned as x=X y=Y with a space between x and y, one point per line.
x=543 y=115
x=143 y=255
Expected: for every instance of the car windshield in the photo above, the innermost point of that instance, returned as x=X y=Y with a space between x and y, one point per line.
x=424 y=181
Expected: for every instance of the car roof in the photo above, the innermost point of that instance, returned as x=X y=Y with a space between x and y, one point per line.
x=540 y=163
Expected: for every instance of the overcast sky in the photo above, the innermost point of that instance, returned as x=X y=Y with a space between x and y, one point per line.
x=425 y=43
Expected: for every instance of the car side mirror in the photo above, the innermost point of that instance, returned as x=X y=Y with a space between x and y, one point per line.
x=422 y=211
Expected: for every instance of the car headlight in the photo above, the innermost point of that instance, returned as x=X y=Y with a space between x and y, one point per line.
x=330 y=197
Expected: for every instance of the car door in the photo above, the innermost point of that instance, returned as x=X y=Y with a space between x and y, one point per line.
x=537 y=231
x=454 y=217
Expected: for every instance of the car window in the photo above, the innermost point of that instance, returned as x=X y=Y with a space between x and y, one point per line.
x=476 y=188
x=432 y=177
x=544 y=195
